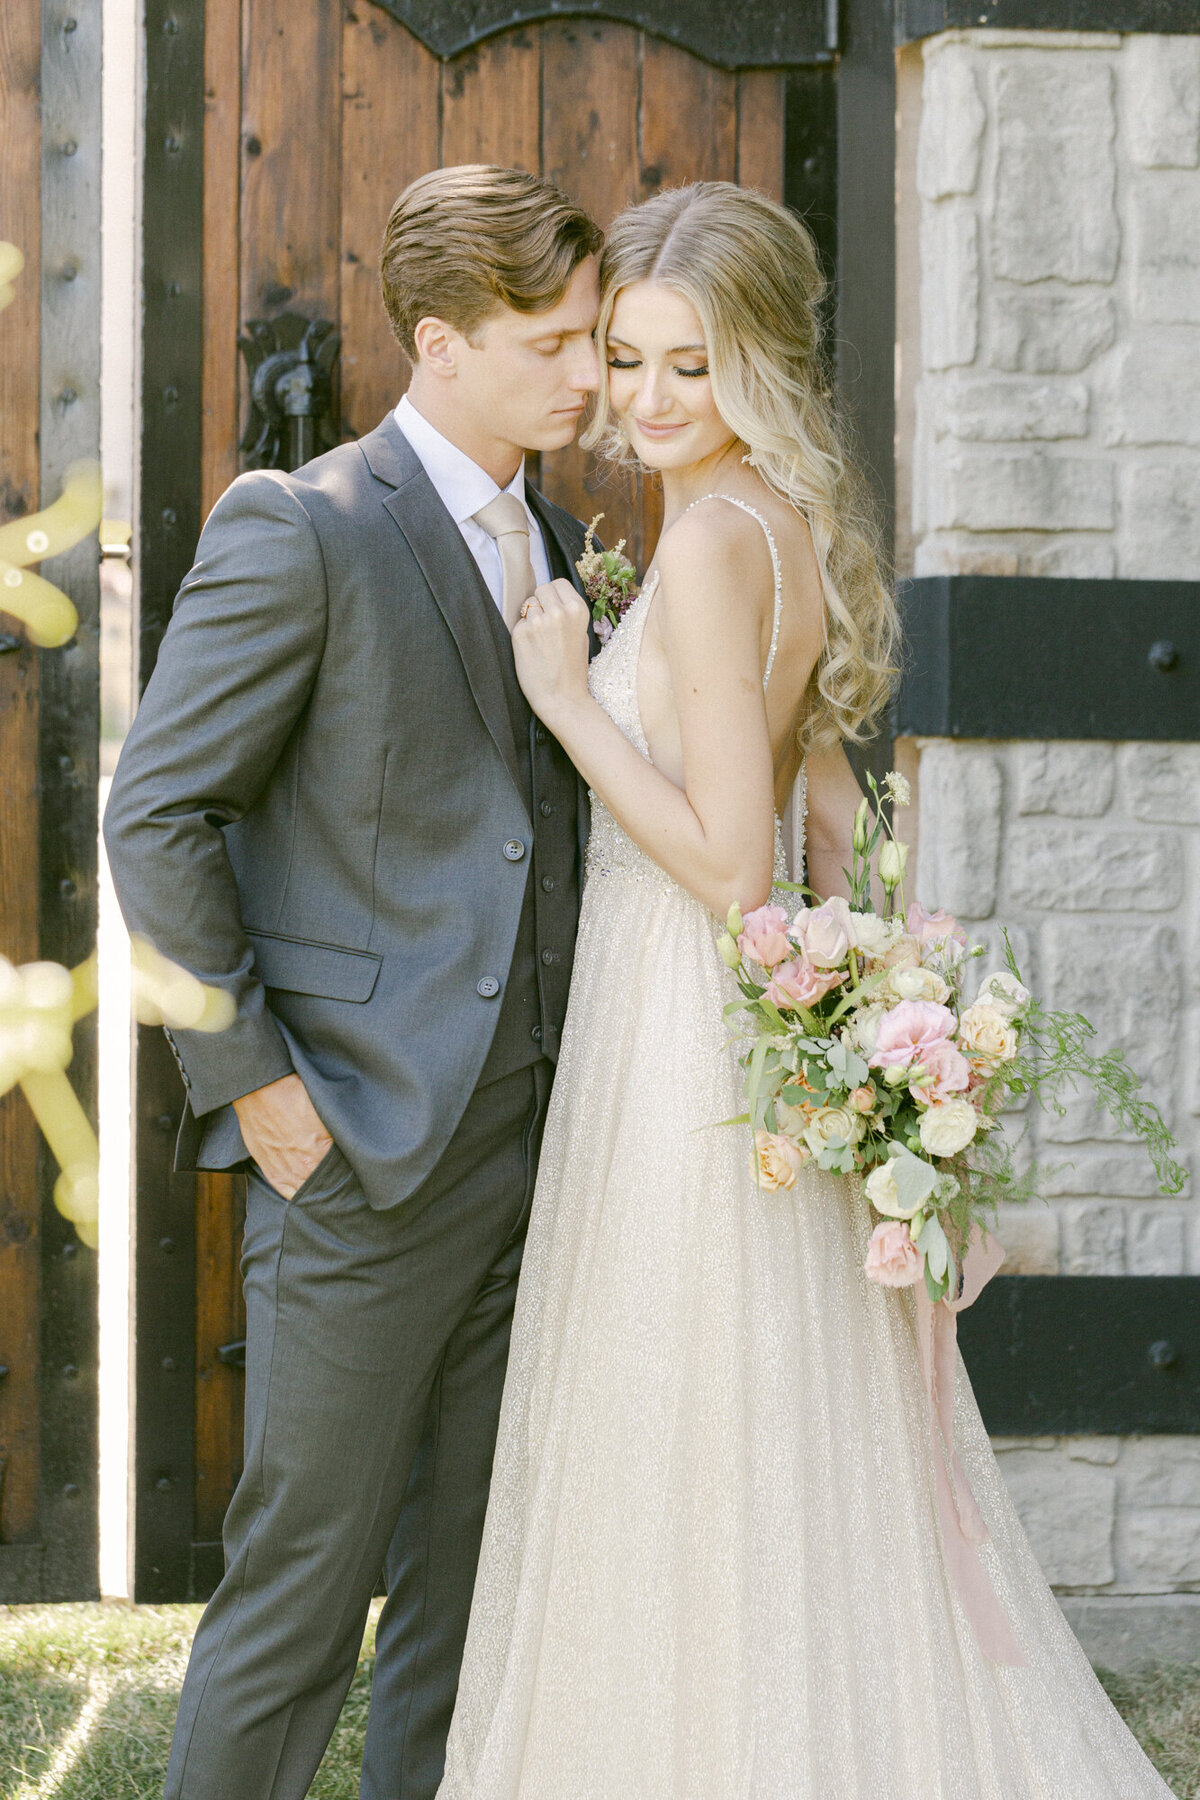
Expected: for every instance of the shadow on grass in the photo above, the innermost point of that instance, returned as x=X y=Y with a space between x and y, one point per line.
x=1161 y=1706
x=36 y=1712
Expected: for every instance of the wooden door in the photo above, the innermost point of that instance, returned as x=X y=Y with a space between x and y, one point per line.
x=315 y=117
x=49 y=740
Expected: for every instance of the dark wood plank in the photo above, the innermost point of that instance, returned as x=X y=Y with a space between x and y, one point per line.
x=220 y=1319
x=20 y=223
x=390 y=107
x=689 y=119
x=491 y=102
x=591 y=150
x=760 y=131
x=222 y=161
x=291 y=157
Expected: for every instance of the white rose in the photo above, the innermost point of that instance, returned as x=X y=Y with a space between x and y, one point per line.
x=1006 y=994
x=986 y=1035
x=863 y=1029
x=873 y=935
x=833 y=1122
x=948 y=1127
x=917 y=984
x=881 y=1189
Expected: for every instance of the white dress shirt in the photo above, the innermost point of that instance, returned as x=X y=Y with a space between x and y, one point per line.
x=463 y=487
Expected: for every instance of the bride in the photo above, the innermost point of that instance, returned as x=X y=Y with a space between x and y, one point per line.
x=712 y=1567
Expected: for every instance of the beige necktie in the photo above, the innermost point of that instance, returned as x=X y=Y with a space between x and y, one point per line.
x=506 y=520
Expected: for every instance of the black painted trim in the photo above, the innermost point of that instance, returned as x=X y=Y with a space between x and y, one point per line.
x=168 y=527
x=66 y=1566
x=753 y=34
x=1085 y=1354
x=1009 y=656
x=922 y=18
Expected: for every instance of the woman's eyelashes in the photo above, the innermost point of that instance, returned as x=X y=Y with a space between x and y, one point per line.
x=619 y=362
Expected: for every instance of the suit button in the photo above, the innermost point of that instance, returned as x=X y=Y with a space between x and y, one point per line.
x=514 y=849
x=546 y=809
x=549 y=956
x=547 y=884
x=536 y=1034
x=488 y=988
x=540 y=735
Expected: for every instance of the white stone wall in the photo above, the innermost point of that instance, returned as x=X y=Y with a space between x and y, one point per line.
x=1050 y=389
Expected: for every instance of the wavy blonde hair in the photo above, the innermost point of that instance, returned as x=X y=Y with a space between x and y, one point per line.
x=750 y=269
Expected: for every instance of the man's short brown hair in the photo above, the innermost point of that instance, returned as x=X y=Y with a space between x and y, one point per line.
x=459 y=242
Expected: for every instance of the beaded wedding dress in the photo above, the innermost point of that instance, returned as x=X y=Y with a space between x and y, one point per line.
x=712 y=1567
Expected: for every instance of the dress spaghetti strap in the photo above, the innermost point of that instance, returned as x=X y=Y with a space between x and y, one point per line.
x=770 y=535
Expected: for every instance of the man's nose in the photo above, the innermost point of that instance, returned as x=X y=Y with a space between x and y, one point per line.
x=585 y=377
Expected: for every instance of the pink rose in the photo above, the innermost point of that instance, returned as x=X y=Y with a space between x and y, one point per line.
x=934 y=927
x=763 y=938
x=909 y=1032
x=949 y=1072
x=604 y=630
x=825 y=933
x=893 y=1260
x=799 y=984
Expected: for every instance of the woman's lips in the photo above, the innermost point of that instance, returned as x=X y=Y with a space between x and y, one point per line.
x=653 y=431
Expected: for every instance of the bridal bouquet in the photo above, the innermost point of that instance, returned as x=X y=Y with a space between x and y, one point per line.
x=867 y=1060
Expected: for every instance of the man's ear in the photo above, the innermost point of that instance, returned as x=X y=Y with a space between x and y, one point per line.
x=437 y=345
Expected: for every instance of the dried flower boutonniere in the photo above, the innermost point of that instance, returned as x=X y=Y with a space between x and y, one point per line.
x=609 y=582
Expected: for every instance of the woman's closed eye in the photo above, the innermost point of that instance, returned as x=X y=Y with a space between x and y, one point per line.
x=620 y=362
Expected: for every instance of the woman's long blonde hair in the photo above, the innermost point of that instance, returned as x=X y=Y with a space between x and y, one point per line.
x=750 y=269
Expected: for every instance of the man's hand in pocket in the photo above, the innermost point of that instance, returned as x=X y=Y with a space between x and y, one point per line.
x=282 y=1132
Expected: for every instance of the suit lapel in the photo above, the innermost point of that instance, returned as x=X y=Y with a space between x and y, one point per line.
x=452 y=576
x=564 y=537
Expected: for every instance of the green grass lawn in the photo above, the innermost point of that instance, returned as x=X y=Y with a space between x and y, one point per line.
x=88 y=1696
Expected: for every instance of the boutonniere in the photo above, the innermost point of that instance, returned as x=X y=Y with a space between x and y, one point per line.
x=609 y=581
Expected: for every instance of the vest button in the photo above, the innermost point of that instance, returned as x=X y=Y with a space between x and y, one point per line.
x=549 y=956
x=514 y=849
x=546 y=809
x=488 y=988
x=536 y=1034
x=540 y=735
x=547 y=884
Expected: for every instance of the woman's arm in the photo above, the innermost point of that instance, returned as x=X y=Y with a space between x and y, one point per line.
x=715 y=835
x=833 y=797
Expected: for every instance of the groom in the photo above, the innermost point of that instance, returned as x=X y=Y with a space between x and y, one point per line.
x=336 y=805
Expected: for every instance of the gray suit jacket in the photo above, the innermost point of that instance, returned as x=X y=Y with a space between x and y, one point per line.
x=316 y=795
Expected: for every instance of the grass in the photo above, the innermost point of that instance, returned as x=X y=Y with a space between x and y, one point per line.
x=88 y=1696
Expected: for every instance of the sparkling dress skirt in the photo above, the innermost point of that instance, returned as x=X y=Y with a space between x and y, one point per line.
x=711 y=1568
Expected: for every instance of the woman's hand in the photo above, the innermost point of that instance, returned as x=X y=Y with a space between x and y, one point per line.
x=550 y=646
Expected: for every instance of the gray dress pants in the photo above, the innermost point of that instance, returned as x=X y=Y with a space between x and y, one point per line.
x=376 y=1344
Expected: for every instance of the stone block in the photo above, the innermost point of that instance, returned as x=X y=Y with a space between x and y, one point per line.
x=1155 y=391
x=1103 y=1451
x=1165 y=210
x=1072 y=780
x=953 y=117
x=1135 y=1631
x=954 y=556
x=1118 y=1171
x=989 y=937
x=1078 y=869
x=1160 y=520
x=1154 y=1242
x=1158 y=1546
x=1085 y=559
x=949 y=284
x=1068 y=1510
x=978 y=490
x=1055 y=185
x=1022 y=409
x=959 y=829
x=1161 y=76
x=1093 y=1240
x=1161 y=782
x=1139 y=1012
x=1048 y=334
x=1030 y=1236
x=1161 y=1471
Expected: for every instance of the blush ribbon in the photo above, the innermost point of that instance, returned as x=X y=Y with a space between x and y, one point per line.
x=961 y=1521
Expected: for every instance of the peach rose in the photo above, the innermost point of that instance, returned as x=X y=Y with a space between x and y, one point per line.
x=862 y=1099
x=949 y=1073
x=763 y=937
x=893 y=1260
x=909 y=1031
x=800 y=984
x=825 y=933
x=986 y=1035
x=775 y=1161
